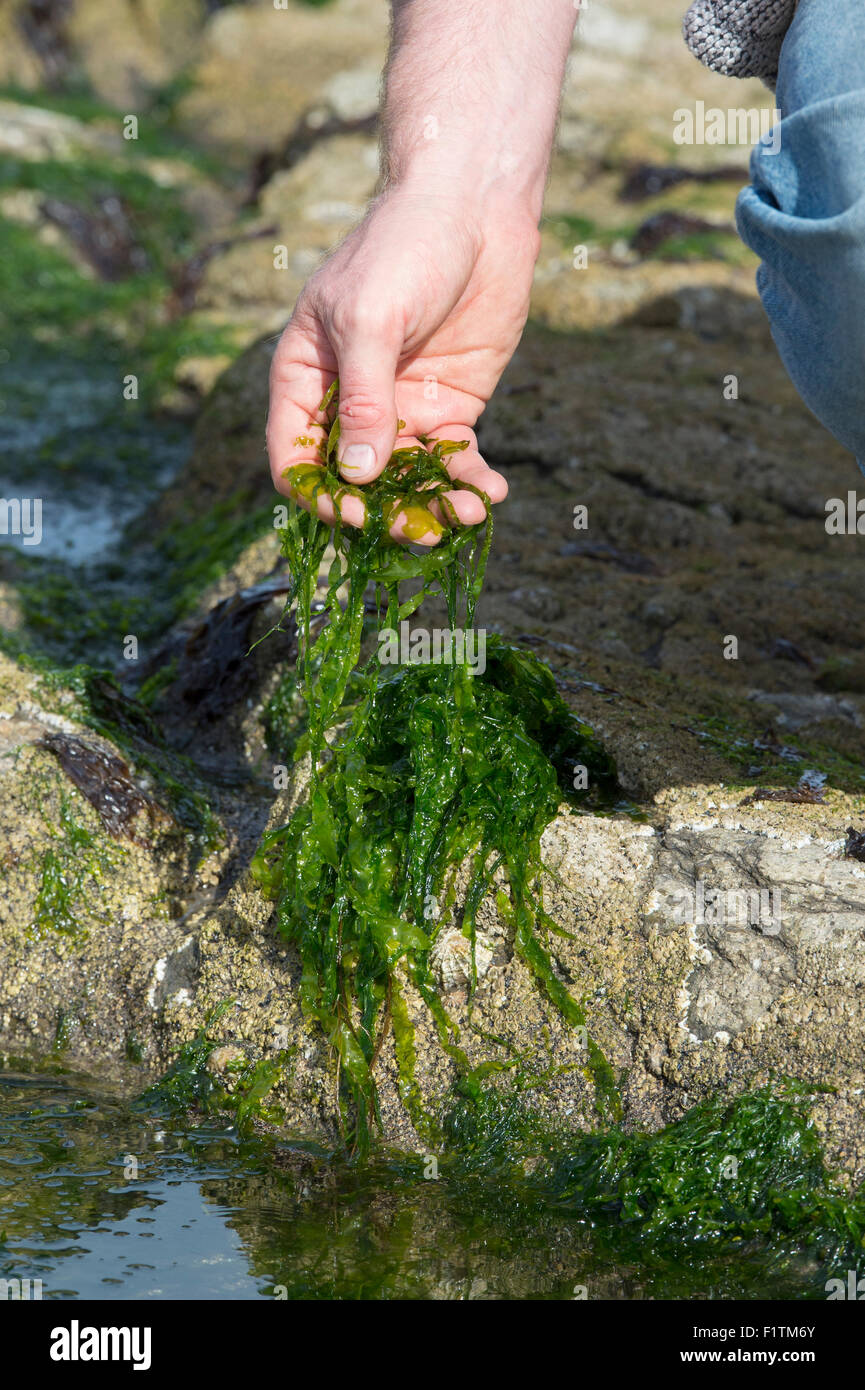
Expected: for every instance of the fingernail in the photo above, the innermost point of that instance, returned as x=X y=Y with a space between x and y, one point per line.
x=357 y=459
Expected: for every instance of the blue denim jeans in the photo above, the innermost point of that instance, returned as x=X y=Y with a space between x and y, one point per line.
x=804 y=215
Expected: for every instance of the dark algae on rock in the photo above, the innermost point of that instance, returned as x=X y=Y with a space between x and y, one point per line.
x=414 y=770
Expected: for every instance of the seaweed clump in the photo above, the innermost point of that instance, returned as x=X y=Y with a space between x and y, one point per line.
x=728 y=1176
x=729 y=1199
x=191 y=1085
x=415 y=769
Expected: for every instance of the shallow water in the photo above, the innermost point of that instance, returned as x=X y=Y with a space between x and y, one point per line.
x=98 y=1204
x=100 y=1200
x=94 y=460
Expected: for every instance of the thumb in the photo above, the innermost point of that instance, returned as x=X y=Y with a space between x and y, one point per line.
x=367 y=409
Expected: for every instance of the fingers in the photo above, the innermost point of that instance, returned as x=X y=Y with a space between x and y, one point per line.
x=367 y=356
x=304 y=367
x=469 y=467
x=303 y=482
x=299 y=377
x=413 y=523
x=469 y=509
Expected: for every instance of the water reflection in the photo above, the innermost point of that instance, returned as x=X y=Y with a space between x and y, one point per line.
x=101 y=1201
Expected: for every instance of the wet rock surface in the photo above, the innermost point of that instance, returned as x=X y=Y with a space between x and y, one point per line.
x=716 y=933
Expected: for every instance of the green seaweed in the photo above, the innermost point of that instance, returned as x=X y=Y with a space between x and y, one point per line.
x=62 y=319
x=735 y=1189
x=730 y=1171
x=240 y=1090
x=68 y=865
x=438 y=766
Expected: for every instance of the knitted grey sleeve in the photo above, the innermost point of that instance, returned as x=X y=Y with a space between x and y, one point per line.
x=740 y=38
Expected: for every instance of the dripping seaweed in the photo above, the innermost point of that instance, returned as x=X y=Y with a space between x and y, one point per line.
x=414 y=770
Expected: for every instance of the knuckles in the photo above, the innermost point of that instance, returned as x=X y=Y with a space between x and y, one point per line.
x=353 y=318
x=364 y=411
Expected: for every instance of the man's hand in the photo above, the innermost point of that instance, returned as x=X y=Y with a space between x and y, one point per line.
x=421 y=307
x=418 y=313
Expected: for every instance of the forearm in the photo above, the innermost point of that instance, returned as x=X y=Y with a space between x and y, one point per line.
x=471 y=96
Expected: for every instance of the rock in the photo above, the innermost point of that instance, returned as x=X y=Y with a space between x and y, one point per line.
x=96 y=871
x=608 y=31
x=330 y=186
x=355 y=92
x=127 y=48
x=797 y=709
x=309 y=208
x=538 y=602
x=278 y=63
x=730 y=549
x=715 y=939
x=200 y=374
x=228 y=465
x=686 y=1004
x=712 y=948
x=20 y=65
x=120 y=49
x=33 y=133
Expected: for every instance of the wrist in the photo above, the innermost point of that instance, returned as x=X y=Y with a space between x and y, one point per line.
x=495 y=185
x=478 y=175
x=471 y=98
